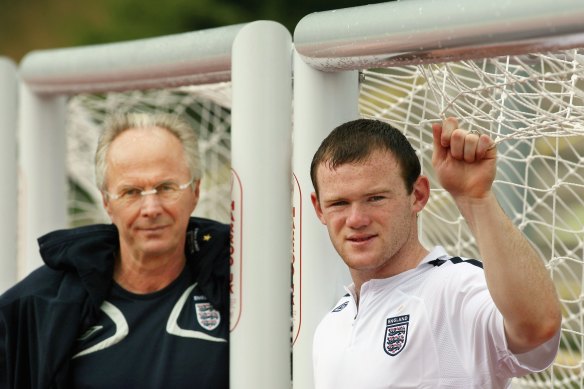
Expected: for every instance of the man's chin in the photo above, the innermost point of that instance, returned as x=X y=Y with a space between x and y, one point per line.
x=155 y=246
x=361 y=261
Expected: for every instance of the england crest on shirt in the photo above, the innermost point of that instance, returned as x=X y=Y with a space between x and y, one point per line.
x=207 y=316
x=396 y=334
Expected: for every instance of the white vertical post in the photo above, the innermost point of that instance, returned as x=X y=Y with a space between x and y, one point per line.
x=261 y=222
x=8 y=189
x=43 y=176
x=322 y=101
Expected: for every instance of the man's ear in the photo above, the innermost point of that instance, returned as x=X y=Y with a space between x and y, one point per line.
x=317 y=208
x=106 y=205
x=196 y=192
x=420 y=193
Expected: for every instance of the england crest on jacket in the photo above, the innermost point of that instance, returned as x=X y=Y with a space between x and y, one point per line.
x=207 y=316
x=396 y=334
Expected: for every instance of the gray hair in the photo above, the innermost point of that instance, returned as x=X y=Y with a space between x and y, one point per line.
x=119 y=123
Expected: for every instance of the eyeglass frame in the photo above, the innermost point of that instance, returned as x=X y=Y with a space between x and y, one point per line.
x=153 y=191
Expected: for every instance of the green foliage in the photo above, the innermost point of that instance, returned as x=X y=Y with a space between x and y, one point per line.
x=134 y=19
x=27 y=25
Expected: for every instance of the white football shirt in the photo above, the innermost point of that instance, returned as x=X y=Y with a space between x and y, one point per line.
x=429 y=327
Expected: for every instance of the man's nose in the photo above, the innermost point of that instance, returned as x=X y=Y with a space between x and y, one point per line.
x=358 y=216
x=150 y=203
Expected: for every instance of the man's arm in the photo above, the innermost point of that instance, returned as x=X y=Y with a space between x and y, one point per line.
x=465 y=164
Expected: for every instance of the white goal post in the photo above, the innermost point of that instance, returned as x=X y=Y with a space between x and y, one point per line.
x=510 y=69
x=9 y=187
x=254 y=59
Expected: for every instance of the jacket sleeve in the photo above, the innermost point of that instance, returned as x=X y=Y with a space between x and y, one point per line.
x=40 y=318
x=3 y=355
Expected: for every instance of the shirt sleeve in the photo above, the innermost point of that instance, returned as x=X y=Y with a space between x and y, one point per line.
x=538 y=359
x=480 y=341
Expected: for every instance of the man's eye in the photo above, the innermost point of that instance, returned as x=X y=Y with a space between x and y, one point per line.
x=130 y=192
x=166 y=187
x=376 y=198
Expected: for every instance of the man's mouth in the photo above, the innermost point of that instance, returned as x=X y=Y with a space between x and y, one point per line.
x=152 y=228
x=360 y=238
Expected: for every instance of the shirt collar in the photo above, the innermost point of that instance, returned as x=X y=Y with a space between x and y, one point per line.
x=437 y=252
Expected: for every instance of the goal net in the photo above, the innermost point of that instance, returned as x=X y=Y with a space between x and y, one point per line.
x=533 y=106
x=207 y=108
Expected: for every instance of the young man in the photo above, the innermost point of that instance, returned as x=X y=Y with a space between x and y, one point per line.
x=141 y=303
x=418 y=318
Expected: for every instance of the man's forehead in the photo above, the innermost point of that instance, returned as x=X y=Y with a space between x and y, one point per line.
x=143 y=139
x=137 y=133
x=137 y=151
x=381 y=156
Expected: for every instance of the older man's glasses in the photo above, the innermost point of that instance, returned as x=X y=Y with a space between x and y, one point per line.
x=167 y=191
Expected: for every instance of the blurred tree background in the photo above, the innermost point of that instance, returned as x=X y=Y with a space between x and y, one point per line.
x=27 y=25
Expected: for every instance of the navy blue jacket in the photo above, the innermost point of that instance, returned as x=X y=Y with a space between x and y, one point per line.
x=41 y=316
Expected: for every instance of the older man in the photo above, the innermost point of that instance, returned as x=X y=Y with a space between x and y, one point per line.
x=141 y=303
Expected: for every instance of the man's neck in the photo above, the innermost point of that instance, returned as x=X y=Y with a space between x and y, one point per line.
x=143 y=276
x=398 y=265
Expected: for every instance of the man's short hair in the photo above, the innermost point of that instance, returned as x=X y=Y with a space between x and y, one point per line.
x=117 y=124
x=355 y=141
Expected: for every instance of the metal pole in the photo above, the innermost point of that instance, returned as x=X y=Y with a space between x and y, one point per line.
x=422 y=31
x=261 y=155
x=200 y=57
x=43 y=181
x=9 y=187
x=322 y=101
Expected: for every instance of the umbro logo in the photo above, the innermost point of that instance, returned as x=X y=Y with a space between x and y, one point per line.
x=341 y=307
x=87 y=334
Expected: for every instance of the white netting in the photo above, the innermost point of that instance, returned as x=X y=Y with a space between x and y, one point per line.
x=207 y=108
x=533 y=105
